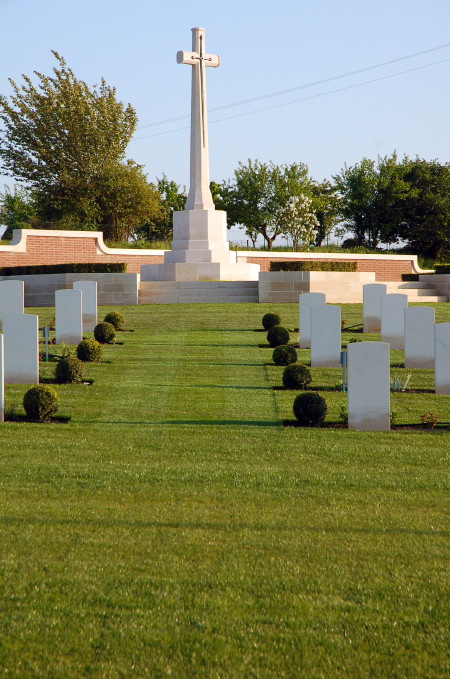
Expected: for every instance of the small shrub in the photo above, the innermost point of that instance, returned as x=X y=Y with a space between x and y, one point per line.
x=429 y=419
x=277 y=335
x=269 y=320
x=310 y=409
x=40 y=402
x=104 y=333
x=116 y=319
x=296 y=376
x=284 y=355
x=68 y=370
x=343 y=414
x=89 y=350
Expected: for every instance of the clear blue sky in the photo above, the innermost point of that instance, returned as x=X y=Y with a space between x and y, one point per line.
x=264 y=47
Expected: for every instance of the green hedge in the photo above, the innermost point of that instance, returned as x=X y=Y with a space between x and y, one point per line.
x=410 y=276
x=442 y=268
x=313 y=266
x=113 y=267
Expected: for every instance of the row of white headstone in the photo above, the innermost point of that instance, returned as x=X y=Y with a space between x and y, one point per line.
x=426 y=345
x=75 y=311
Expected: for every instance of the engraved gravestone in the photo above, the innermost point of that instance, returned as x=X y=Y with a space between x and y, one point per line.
x=442 y=358
x=21 y=348
x=368 y=386
x=11 y=298
x=68 y=316
x=419 y=337
x=325 y=336
x=393 y=320
x=89 y=303
x=372 y=294
x=2 y=381
x=306 y=301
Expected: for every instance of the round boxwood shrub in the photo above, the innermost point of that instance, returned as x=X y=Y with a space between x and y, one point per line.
x=104 y=333
x=269 y=320
x=68 y=370
x=310 y=409
x=296 y=376
x=40 y=402
x=89 y=350
x=277 y=335
x=116 y=319
x=284 y=355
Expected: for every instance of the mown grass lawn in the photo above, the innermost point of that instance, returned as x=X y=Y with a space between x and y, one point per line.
x=174 y=527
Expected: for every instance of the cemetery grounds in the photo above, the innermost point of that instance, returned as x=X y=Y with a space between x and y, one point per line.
x=175 y=528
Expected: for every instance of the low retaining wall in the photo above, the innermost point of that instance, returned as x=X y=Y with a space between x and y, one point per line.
x=113 y=289
x=39 y=246
x=340 y=287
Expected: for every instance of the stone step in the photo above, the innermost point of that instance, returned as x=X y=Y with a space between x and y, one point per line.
x=198 y=292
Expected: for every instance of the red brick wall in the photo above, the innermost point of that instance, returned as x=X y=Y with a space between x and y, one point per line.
x=387 y=269
x=62 y=249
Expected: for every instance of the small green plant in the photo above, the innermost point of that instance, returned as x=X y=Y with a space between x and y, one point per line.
x=104 y=333
x=40 y=402
x=89 y=350
x=343 y=414
x=269 y=320
x=296 y=376
x=69 y=370
x=429 y=419
x=277 y=335
x=400 y=385
x=310 y=409
x=284 y=355
x=352 y=340
x=116 y=319
x=393 y=417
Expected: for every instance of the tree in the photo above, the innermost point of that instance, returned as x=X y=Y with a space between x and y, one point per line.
x=252 y=199
x=172 y=198
x=67 y=142
x=298 y=221
x=425 y=210
x=326 y=204
x=17 y=210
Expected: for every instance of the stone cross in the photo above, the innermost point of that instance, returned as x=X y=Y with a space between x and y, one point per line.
x=199 y=196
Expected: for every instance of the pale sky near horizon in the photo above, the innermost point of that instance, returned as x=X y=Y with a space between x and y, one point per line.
x=265 y=48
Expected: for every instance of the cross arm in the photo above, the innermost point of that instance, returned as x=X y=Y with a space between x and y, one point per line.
x=193 y=58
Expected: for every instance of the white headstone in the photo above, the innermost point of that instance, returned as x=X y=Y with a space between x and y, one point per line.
x=325 y=336
x=68 y=316
x=393 y=320
x=21 y=348
x=2 y=381
x=306 y=301
x=372 y=294
x=419 y=337
x=89 y=303
x=369 y=393
x=11 y=298
x=442 y=358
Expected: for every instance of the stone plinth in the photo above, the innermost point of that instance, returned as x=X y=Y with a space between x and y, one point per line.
x=419 y=337
x=11 y=298
x=325 y=336
x=368 y=386
x=442 y=358
x=21 y=348
x=372 y=295
x=306 y=301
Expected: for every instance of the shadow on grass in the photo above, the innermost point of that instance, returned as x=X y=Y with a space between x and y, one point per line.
x=226 y=423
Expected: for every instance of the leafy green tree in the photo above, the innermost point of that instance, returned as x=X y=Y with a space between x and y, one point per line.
x=17 y=210
x=298 y=221
x=326 y=204
x=172 y=198
x=425 y=211
x=257 y=192
x=67 y=142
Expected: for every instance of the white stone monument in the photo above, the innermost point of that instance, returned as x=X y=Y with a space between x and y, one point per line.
x=419 y=337
x=442 y=358
x=372 y=294
x=368 y=388
x=89 y=303
x=306 y=301
x=2 y=381
x=21 y=348
x=325 y=336
x=200 y=250
x=11 y=298
x=393 y=320
x=68 y=316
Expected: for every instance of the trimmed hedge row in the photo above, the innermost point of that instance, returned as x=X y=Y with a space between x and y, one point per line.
x=313 y=266
x=112 y=267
